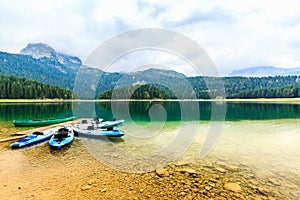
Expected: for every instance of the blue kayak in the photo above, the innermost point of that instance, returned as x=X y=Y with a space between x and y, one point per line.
x=99 y=133
x=34 y=138
x=61 y=138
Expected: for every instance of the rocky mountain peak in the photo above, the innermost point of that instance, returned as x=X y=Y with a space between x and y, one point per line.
x=39 y=50
x=42 y=50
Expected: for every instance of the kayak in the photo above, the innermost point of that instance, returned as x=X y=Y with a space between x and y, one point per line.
x=61 y=138
x=41 y=122
x=98 y=133
x=34 y=138
x=108 y=124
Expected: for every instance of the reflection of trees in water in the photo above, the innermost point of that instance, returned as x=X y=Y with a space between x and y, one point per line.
x=255 y=111
x=139 y=110
x=34 y=110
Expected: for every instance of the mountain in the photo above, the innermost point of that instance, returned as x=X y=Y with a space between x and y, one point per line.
x=42 y=63
x=151 y=75
x=41 y=50
x=265 y=71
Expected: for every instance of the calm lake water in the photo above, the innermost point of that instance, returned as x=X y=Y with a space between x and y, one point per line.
x=262 y=136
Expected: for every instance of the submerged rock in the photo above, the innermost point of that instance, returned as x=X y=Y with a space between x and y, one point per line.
x=264 y=191
x=162 y=172
x=234 y=187
x=188 y=170
x=219 y=169
x=274 y=182
x=86 y=187
x=182 y=163
x=232 y=168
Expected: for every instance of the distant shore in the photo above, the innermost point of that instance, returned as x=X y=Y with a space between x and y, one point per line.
x=270 y=100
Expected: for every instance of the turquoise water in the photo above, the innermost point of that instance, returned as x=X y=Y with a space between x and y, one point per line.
x=262 y=137
x=139 y=111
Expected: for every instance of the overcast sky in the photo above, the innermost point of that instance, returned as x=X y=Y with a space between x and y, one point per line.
x=235 y=34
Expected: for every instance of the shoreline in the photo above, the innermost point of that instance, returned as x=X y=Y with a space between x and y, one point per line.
x=208 y=178
x=272 y=100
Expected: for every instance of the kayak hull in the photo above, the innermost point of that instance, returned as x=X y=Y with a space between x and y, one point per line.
x=108 y=124
x=33 y=139
x=59 y=142
x=99 y=133
x=41 y=122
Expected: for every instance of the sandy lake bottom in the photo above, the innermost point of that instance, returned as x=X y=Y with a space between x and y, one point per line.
x=251 y=160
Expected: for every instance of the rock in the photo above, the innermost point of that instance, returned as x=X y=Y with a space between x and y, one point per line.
x=86 y=187
x=47 y=188
x=234 y=187
x=114 y=155
x=264 y=191
x=274 y=182
x=220 y=163
x=162 y=172
x=182 y=193
x=103 y=190
x=141 y=190
x=213 y=180
x=212 y=184
x=232 y=168
x=92 y=181
x=207 y=187
x=219 y=169
x=188 y=170
x=181 y=163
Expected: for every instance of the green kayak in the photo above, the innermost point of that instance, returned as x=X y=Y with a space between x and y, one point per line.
x=41 y=122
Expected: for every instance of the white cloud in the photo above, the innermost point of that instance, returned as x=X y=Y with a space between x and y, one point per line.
x=236 y=34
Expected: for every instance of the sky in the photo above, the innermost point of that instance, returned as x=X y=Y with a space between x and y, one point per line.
x=234 y=34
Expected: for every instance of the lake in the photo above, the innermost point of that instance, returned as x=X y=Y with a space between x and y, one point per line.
x=263 y=137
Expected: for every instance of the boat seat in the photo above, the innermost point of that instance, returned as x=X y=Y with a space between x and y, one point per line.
x=38 y=133
x=90 y=128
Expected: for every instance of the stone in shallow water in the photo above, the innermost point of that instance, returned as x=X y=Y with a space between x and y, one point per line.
x=274 y=182
x=221 y=163
x=234 y=187
x=162 y=172
x=219 y=169
x=103 y=190
x=188 y=170
x=232 y=168
x=182 y=163
x=264 y=191
x=86 y=187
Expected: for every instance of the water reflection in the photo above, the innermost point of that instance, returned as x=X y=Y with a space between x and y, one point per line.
x=139 y=111
x=11 y=111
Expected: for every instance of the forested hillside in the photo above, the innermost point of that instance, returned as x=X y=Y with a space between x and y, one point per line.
x=12 y=87
x=235 y=87
x=43 y=64
x=250 y=87
x=136 y=92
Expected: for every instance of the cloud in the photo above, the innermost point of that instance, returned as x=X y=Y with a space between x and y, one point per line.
x=214 y=15
x=235 y=34
x=153 y=10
